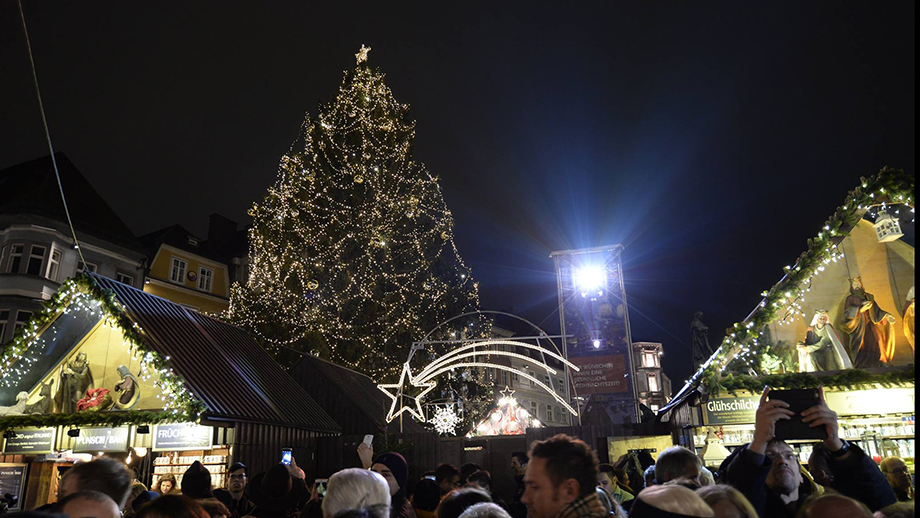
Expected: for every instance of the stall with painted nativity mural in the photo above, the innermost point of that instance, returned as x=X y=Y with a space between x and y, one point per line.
x=841 y=317
x=107 y=369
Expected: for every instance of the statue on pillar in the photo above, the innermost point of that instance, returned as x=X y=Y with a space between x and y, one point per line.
x=699 y=340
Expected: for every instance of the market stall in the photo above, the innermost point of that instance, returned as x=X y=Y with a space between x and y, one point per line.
x=109 y=370
x=841 y=317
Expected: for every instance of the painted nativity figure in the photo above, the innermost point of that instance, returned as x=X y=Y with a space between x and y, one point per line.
x=909 y=319
x=869 y=327
x=76 y=379
x=822 y=349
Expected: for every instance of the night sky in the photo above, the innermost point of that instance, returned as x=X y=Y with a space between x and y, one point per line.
x=710 y=138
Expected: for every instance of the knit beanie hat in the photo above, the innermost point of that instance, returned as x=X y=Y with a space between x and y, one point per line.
x=397 y=464
x=196 y=482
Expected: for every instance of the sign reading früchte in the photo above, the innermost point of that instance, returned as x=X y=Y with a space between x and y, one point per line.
x=30 y=442
x=733 y=410
x=101 y=439
x=600 y=374
x=179 y=437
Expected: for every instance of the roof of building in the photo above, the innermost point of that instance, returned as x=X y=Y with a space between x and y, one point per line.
x=360 y=389
x=222 y=365
x=178 y=237
x=32 y=188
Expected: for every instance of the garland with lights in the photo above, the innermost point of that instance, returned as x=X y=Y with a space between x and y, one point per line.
x=742 y=344
x=76 y=295
x=351 y=251
x=848 y=379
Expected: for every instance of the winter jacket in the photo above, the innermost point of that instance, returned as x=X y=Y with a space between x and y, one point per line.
x=857 y=477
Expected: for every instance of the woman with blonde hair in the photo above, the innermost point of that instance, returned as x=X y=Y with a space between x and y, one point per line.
x=726 y=501
x=356 y=488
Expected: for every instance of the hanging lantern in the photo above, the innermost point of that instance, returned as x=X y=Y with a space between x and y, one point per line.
x=887 y=228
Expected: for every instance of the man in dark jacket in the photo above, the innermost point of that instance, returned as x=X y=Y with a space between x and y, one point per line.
x=768 y=473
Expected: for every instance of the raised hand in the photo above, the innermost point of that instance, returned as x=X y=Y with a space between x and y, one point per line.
x=768 y=413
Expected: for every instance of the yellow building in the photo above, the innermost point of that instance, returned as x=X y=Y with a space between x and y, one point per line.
x=185 y=270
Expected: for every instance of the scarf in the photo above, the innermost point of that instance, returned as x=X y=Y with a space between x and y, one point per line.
x=588 y=506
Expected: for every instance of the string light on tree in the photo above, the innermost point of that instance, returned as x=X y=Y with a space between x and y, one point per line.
x=351 y=251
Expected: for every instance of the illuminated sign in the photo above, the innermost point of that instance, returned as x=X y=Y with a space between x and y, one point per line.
x=735 y=410
x=30 y=442
x=600 y=375
x=13 y=483
x=93 y=440
x=179 y=437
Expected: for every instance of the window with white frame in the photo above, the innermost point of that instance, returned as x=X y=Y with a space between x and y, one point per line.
x=124 y=278
x=4 y=318
x=54 y=265
x=177 y=270
x=533 y=408
x=558 y=411
x=36 y=259
x=561 y=385
x=653 y=383
x=85 y=267
x=549 y=412
x=205 y=278
x=514 y=376
x=649 y=359
x=22 y=318
x=16 y=251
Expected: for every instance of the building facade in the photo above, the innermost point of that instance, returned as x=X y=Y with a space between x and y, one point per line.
x=652 y=384
x=37 y=248
x=531 y=397
x=195 y=272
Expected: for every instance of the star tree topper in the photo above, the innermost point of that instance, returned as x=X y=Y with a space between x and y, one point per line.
x=404 y=388
x=362 y=54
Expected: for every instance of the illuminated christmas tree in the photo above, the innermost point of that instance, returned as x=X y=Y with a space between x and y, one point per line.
x=352 y=255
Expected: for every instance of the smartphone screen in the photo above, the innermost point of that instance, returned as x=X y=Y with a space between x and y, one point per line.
x=321 y=486
x=799 y=400
x=286 y=456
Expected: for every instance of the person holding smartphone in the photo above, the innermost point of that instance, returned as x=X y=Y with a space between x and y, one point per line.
x=768 y=473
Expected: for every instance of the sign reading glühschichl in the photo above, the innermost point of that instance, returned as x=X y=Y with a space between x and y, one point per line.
x=731 y=410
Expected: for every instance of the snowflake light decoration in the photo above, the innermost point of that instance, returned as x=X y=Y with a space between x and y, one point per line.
x=445 y=420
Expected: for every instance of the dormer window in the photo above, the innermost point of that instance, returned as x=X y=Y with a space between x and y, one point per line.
x=193 y=241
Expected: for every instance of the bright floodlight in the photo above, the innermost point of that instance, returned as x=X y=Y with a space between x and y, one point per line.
x=589 y=278
x=597 y=344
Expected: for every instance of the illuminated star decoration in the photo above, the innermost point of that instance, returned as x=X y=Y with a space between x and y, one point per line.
x=362 y=54
x=445 y=420
x=406 y=383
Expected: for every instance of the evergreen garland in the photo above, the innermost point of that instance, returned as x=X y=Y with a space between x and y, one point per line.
x=185 y=407
x=846 y=379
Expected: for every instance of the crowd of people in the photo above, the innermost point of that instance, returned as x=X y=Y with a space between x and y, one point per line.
x=558 y=478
